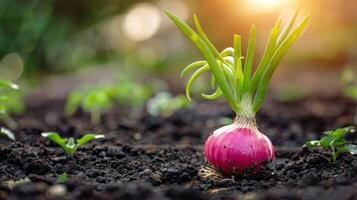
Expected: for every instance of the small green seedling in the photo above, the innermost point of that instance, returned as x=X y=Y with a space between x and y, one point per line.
x=164 y=104
x=11 y=102
x=62 y=178
x=335 y=142
x=69 y=146
x=7 y=133
x=99 y=99
x=128 y=92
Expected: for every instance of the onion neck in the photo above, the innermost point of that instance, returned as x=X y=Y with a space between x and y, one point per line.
x=245 y=116
x=245 y=107
x=245 y=122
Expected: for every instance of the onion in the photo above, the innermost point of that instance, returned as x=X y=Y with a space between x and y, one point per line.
x=235 y=148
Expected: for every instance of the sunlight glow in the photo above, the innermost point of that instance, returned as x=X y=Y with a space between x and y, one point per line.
x=264 y=6
x=142 y=22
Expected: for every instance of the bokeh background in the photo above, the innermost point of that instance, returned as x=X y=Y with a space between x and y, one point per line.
x=52 y=46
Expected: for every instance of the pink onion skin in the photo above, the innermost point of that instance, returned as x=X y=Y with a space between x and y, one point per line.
x=237 y=147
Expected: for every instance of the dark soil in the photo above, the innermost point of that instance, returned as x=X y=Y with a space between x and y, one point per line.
x=144 y=157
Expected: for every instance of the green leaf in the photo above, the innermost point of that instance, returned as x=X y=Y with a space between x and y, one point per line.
x=267 y=55
x=349 y=129
x=273 y=64
x=340 y=132
x=227 y=52
x=210 y=57
x=204 y=37
x=213 y=96
x=54 y=137
x=57 y=139
x=192 y=66
x=62 y=178
x=329 y=133
x=351 y=148
x=238 y=66
x=88 y=138
x=238 y=57
x=229 y=73
x=193 y=79
x=212 y=81
x=238 y=84
x=288 y=28
x=229 y=61
x=338 y=142
x=342 y=149
x=249 y=59
x=312 y=144
x=326 y=142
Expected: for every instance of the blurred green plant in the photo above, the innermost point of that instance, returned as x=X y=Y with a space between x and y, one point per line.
x=69 y=145
x=349 y=83
x=95 y=101
x=349 y=86
x=224 y=121
x=11 y=102
x=128 y=92
x=164 y=104
x=48 y=35
x=290 y=93
x=99 y=99
x=335 y=142
x=62 y=178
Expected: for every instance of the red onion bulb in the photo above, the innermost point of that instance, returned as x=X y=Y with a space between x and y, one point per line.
x=237 y=147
